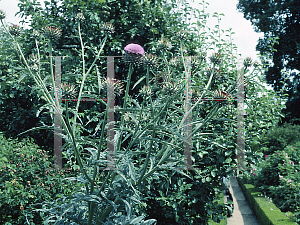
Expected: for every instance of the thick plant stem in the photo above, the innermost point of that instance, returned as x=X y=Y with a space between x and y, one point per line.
x=92 y=204
x=199 y=100
x=85 y=74
x=147 y=158
x=77 y=154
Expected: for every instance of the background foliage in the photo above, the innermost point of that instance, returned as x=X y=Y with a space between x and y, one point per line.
x=279 y=19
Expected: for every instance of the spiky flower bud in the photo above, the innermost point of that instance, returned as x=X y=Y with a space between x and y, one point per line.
x=114 y=84
x=255 y=64
x=198 y=59
x=169 y=88
x=68 y=91
x=150 y=60
x=133 y=54
x=181 y=35
x=80 y=17
x=247 y=62
x=35 y=34
x=33 y=62
x=145 y=91
x=216 y=58
x=14 y=30
x=108 y=28
x=160 y=78
x=52 y=33
x=2 y=15
x=222 y=96
x=164 y=44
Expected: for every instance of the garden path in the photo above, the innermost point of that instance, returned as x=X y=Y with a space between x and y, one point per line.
x=242 y=214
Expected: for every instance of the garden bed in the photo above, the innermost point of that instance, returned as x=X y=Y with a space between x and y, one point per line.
x=265 y=211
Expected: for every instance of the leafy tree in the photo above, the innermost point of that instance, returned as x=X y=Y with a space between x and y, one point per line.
x=279 y=18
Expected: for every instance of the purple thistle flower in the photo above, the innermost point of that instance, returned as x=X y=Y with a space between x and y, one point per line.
x=134 y=54
x=134 y=48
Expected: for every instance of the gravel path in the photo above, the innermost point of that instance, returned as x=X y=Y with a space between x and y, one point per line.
x=242 y=214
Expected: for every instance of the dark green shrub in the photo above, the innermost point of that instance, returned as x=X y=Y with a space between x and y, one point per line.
x=279 y=137
x=181 y=200
x=26 y=179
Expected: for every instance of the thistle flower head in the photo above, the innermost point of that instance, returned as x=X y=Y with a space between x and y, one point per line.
x=247 y=62
x=150 y=60
x=52 y=33
x=181 y=35
x=108 y=28
x=169 y=88
x=222 y=96
x=113 y=84
x=15 y=30
x=216 y=58
x=2 y=15
x=145 y=91
x=35 y=34
x=160 y=78
x=164 y=44
x=80 y=17
x=68 y=91
x=198 y=59
x=133 y=54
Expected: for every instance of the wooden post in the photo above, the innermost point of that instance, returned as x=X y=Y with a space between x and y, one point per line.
x=110 y=112
x=188 y=144
x=57 y=115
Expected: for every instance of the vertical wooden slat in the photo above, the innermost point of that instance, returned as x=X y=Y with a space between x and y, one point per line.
x=110 y=113
x=57 y=115
x=188 y=144
x=240 y=120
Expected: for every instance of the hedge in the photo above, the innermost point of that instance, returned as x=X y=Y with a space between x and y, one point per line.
x=265 y=211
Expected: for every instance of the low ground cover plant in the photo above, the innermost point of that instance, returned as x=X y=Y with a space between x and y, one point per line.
x=27 y=180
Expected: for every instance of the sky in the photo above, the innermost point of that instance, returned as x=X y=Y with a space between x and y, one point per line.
x=245 y=37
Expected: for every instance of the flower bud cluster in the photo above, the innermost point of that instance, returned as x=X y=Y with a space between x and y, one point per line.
x=2 y=15
x=216 y=58
x=108 y=28
x=14 y=30
x=52 y=33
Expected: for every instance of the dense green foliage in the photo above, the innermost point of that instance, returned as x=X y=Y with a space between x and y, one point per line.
x=19 y=101
x=278 y=177
x=279 y=137
x=279 y=18
x=27 y=180
x=150 y=116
